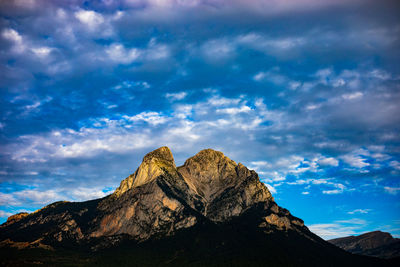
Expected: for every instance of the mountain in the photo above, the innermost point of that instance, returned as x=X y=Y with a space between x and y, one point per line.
x=210 y=211
x=376 y=244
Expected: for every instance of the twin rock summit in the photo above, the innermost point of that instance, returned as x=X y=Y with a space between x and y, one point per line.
x=210 y=211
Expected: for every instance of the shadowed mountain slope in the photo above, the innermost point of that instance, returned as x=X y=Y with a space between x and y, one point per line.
x=376 y=244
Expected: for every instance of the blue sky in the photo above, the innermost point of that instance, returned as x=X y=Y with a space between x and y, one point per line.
x=304 y=92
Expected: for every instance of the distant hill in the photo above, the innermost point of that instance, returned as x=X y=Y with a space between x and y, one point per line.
x=377 y=244
x=209 y=212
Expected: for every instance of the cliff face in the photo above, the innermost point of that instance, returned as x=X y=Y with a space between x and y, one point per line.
x=160 y=198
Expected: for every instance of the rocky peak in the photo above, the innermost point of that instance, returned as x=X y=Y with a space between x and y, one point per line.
x=162 y=154
x=207 y=157
x=209 y=172
x=153 y=165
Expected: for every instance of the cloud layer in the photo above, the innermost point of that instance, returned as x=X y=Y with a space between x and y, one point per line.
x=304 y=92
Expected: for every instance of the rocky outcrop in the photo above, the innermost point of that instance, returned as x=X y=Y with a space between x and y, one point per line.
x=15 y=218
x=154 y=165
x=159 y=199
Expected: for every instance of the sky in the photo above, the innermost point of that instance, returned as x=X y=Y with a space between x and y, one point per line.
x=305 y=92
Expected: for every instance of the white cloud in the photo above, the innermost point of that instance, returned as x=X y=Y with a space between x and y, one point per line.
x=176 y=96
x=395 y=165
x=271 y=188
x=156 y=51
x=120 y=54
x=223 y=101
x=219 y=49
x=90 y=18
x=392 y=190
x=45 y=197
x=4 y=214
x=234 y=110
x=268 y=44
x=153 y=118
x=13 y=36
x=351 y=96
x=32 y=196
x=39 y=197
x=355 y=160
x=340 y=189
x=305 y=193
x=259 y=76
x=340 y=228
x=83 y=194
x=380 y=74
x=122 y=134
x=42 y=52
x=311 y=181
x=332 y=192
x=35 y=106
x=360 y=211
x=313 y=106
x=328 y=162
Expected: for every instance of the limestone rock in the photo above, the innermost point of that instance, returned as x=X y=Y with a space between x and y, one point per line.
x=153 y=165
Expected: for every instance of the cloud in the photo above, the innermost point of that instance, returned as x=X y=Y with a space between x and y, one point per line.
x=322 y=182
x=328 y=162
x=271 y=189
x=259 y=76
x=234 y=111
x=153 y=118
x=90 y=18
x=395 y=164
x=354 y=95
x=268 y=44
x=12 y=35
x=5 y=214
x=339 y=228
x=119 y=54
x=355 y=160
x=360 y=211
x=340 y=189
x=218 y=50
x=392 y=190
x=36 y=196
x=176 y=96
x=298 y=102
x=32 y=196
x=16 y=39
x=42 y=52
x=332 y=192
x=82 y=194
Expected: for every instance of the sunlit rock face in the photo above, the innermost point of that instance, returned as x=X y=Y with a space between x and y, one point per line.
x=154 y=164
x=15 y=218
x=159 y=199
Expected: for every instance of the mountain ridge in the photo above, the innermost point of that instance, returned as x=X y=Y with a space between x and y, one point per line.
x=213 y=201
x=376 y=243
